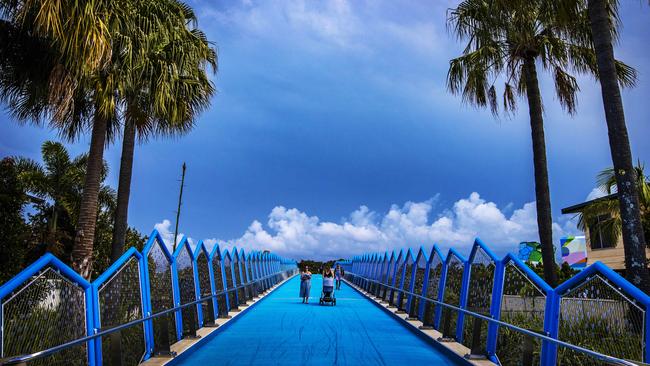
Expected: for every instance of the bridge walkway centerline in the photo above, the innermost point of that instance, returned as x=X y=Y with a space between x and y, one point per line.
x=280 y=330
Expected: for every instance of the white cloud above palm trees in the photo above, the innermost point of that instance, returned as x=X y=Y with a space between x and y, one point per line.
x=293 y=233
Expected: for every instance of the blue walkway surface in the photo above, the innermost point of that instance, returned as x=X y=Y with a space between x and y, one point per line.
x=280 y=330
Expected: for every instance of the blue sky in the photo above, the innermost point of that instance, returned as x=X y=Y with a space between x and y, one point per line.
x=332 y=133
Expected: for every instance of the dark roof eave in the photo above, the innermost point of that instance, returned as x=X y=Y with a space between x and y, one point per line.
x=578 y=208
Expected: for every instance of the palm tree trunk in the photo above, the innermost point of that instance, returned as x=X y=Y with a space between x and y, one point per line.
x=123 y=190
x=542 y=192
x=82 y=253
x=636 y=269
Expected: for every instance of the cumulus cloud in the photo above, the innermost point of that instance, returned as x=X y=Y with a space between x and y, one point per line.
x=166 y=231
x=294 y=233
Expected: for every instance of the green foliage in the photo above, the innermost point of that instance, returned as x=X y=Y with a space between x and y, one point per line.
x=316 y=266
x=564 y=272
x=52 y=191
x=504 y=34
x=611 y=226
x=13 y=229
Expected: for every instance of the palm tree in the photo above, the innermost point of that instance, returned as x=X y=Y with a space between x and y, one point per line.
x=79 y=86
x=72 y=90
x=507 y=39
x=162 y=94
x=605 y=214
x=603 y=18
x=55 y=189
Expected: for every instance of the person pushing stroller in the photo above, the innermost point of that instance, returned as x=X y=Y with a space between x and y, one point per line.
x=327 y=295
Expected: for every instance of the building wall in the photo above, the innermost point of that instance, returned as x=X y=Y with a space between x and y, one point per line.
x=612 y=257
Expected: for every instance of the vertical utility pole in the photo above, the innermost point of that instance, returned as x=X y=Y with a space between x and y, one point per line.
x=178 y=212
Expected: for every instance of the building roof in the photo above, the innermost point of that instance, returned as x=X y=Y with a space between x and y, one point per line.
x=578 y=208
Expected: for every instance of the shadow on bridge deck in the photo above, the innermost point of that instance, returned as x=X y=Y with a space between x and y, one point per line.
x=280 y=330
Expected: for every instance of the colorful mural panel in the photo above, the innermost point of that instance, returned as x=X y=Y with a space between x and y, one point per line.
x=574 y=251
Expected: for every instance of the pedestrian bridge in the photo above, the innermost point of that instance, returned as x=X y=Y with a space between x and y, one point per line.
x=204 y=305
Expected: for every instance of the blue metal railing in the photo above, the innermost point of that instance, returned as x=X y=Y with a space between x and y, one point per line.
x=597 y=308
x=590 y=353
x=34 y=292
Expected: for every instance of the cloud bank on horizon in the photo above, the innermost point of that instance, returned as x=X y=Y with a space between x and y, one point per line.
x=293 y=233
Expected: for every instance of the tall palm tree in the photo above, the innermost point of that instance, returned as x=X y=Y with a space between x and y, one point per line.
x=74 y=90
x=163 y=93
x=507 y=39
x=603 y=18
x=88 y=43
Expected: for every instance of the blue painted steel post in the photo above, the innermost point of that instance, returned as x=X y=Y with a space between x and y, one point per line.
x=551 y=327
x=213 y=288
x=495 y=309
x=197 y=285
x=146 y=308
x=177 y=300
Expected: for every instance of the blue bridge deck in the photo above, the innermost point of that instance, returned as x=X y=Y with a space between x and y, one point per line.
x=280 y=330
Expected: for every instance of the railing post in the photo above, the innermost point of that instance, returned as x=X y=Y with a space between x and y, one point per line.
x=647 y=341
x=177 y=301
x=146 y=307
x=551 y=328
x=495 y=309
x=197 y=286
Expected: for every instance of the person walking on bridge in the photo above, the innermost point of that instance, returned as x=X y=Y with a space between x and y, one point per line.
x=305 y=285
x=338 y=273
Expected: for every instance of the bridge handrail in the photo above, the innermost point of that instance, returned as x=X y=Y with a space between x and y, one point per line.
x=594 y=354
x=52 y=350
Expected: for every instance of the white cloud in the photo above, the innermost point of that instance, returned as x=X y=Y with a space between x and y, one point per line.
x=319 y=25
x=293 y=233
x=165 y=230
x=595 y=193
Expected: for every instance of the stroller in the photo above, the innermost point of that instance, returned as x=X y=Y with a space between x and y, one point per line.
x=327 y=294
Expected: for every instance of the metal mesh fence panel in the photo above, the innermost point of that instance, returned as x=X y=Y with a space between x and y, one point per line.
x=203 y=271
x=453 y=285
x=390 y=273
x=218 y=286
x=397 y=279
x=249 y=274
x=479 y=296
x=373 y=275
x=232 y=295
x=420 y=271
x=433 y=284
x=47 y=311
x=403 y=298
x=241 y=291
x=523 y=304
x=597 y=315
x=162 y=296
x=187 y=289
x=381 y=277
x=120 y=301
